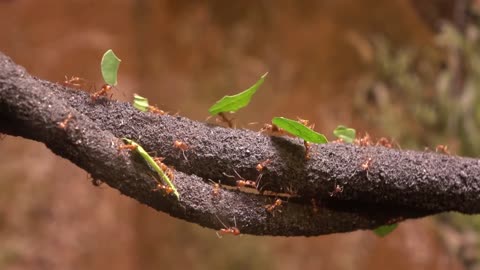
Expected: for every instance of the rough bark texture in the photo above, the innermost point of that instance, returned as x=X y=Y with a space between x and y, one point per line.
x=396 y=185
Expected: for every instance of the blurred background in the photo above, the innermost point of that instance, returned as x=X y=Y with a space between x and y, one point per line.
x=402 y=69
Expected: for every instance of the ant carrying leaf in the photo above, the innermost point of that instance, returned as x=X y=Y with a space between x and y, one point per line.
x=151 y=161
x=345 y=134
x=235 y=102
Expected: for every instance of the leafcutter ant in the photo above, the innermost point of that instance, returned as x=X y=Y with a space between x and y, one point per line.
x=307 y=150
x=167 y=170
x=242 y=182
x=306 y=123
x=127 y=147
x=102 y=92
x=442 y=149
x=384 y=142
x=223 y=118
x=367 y=164
x=272 y=207
x=156 y=110
x=64 y=123
x=272 y=129
x=336 y=190
x=246 y=183
x=182 y=146
x=166 y=189
x=262 y=165
x=364 y=141
x=228 y=230
x=216 y=188
x=74 y=81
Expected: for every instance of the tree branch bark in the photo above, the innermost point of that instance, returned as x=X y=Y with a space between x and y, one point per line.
x=396 y=185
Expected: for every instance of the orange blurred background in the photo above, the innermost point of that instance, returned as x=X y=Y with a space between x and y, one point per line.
x=183 y=56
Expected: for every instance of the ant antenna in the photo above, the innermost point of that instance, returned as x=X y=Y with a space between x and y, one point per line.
x=237 y=174
x=227 y=175
x=221 y=221
x=218 y=235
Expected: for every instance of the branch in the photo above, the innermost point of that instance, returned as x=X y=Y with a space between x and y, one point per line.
x=396 y=185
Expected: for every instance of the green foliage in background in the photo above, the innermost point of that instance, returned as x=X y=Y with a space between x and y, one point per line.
x=428 y=96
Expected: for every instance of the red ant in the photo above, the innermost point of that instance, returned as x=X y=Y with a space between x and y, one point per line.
x=307 y=150
x=228 y=230
x=262 y=165
x=305 y=123
x=168 y=190
x=271 y=207
x=156 y=110
x=272 y=129
x=336 y=190
x=127 y=146
x=102 y=92
x=224 y=118
x=365 y=141
x=74 y=81
x=167 y=170
x=216 y=188
x=63 y=124
x=384 y=142
x=182 y=146
x=367 y=164
x=243 y=183
x=442 y=149
x=246 y=183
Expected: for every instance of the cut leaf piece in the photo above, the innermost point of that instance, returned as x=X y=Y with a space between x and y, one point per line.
x=238 y=101
x=295 y=128
x=345 y=133
x=152 y=164
x=385 y=229
x=140 y=103
x=109 y=67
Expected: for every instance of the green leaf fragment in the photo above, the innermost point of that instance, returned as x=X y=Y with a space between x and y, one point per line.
x=140 y=103
x=109 y=67
x=238 y=101
x=344 y=133
x=153 y=164
x=385 y=229
x=295 y=128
